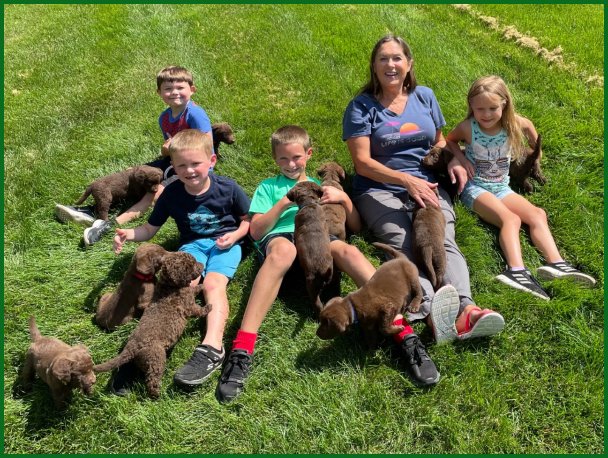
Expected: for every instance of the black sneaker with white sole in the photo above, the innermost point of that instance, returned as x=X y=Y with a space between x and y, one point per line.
x=564 y=270
x=94 y=233
x=524 y=281
x=233 y=375
x=79 y=215
x=204 y=360
x=419 y=364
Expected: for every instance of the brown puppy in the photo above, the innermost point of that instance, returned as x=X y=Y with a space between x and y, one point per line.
x=520 y=171
x=428 y=235
x=134 y=292
x=528 y=167
x=312 y=239
x=164 y=320
x=376 y=303
x=333 y=175
x=132 y=183
x=222 y=133
x=60 y=366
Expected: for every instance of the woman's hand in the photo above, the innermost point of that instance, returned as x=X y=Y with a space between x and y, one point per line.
x=119 y=240
x=332 y=195
x=422 y=191
x=458 y=173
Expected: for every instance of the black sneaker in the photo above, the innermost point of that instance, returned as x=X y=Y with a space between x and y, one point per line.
x=564 y=270
x=524 y=281
x=96 y=231
x=80 y=215
x=199 y=367
x=419 y=364
x=123 y=379
x=233 y=375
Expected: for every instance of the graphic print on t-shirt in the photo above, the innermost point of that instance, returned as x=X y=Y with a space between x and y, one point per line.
x=203 y=221
x=403 y=133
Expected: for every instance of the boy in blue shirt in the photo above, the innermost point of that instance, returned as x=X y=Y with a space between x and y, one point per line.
x=175 y=86
x=211 y=213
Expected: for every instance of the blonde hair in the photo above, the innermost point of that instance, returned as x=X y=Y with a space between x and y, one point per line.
x=290 y=134
x=174 y=74
x=191 y=139
x=495 y=85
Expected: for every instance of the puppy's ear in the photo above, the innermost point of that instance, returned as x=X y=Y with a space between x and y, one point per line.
x=291 y=195
x=62 y=370
x=341 y=172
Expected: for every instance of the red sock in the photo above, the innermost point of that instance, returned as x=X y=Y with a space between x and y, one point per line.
x=244 y=341
x=406 y=332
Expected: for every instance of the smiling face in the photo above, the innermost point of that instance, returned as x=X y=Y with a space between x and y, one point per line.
x=192 y=168
x=487 y=111
x=391 y=66
x=176 y=94
x=291 y=159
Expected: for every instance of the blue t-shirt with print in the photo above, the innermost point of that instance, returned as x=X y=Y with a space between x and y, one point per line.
x=210 y=215
x=398 y=141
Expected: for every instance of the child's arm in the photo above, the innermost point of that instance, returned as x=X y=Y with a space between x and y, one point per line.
x=461 y=133
x=333 y=195
x=138 y=234
x=262 y=223
x=227 y=240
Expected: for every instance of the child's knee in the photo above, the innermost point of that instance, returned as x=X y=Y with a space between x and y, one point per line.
x=282 y=254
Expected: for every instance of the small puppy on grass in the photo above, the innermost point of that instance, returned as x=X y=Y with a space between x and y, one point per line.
x=59 y=365
x=333 y=174
x=376 y=303
x=164 y=320
x=222 y=133
x=428 y=234
x=134 y=292
x=311 y=238
x=130 y=184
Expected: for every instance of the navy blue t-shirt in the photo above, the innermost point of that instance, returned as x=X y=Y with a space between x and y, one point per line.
x=397 y=141
x=210 y=215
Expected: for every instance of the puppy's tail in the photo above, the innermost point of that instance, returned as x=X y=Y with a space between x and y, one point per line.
x=389 y=250
x=84 y=196
x=113 y=363
x=34 y=332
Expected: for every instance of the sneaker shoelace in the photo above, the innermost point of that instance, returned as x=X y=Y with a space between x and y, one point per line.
x=416 y=352
x=533 y=280
x=238 y=367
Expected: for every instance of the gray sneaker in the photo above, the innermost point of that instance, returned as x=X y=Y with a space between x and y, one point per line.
x=200 y=366
x=79 y=215
x=96 y=231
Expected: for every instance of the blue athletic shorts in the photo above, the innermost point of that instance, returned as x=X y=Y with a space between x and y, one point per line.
x=215 y=260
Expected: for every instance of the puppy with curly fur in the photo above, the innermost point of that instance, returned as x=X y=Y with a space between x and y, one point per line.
x=164 y=320
x=59 y=365
x=375 y=305
x=134 y=292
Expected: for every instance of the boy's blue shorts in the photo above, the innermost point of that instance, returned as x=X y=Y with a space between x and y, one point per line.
x=215 y=260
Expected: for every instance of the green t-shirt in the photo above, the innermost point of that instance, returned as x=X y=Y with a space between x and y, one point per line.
x=267 y=194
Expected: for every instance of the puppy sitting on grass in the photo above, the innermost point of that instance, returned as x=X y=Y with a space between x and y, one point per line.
x=375 y=305
x=59 y=365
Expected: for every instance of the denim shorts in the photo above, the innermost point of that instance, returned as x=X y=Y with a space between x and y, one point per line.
x=214 y=259
x=472 y=191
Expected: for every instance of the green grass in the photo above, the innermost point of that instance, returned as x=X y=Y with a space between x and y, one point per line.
x=80 y=102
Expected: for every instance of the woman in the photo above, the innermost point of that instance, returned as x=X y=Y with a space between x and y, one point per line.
x=388 y=128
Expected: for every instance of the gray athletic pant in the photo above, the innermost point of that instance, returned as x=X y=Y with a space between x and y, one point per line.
x=387 y=217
